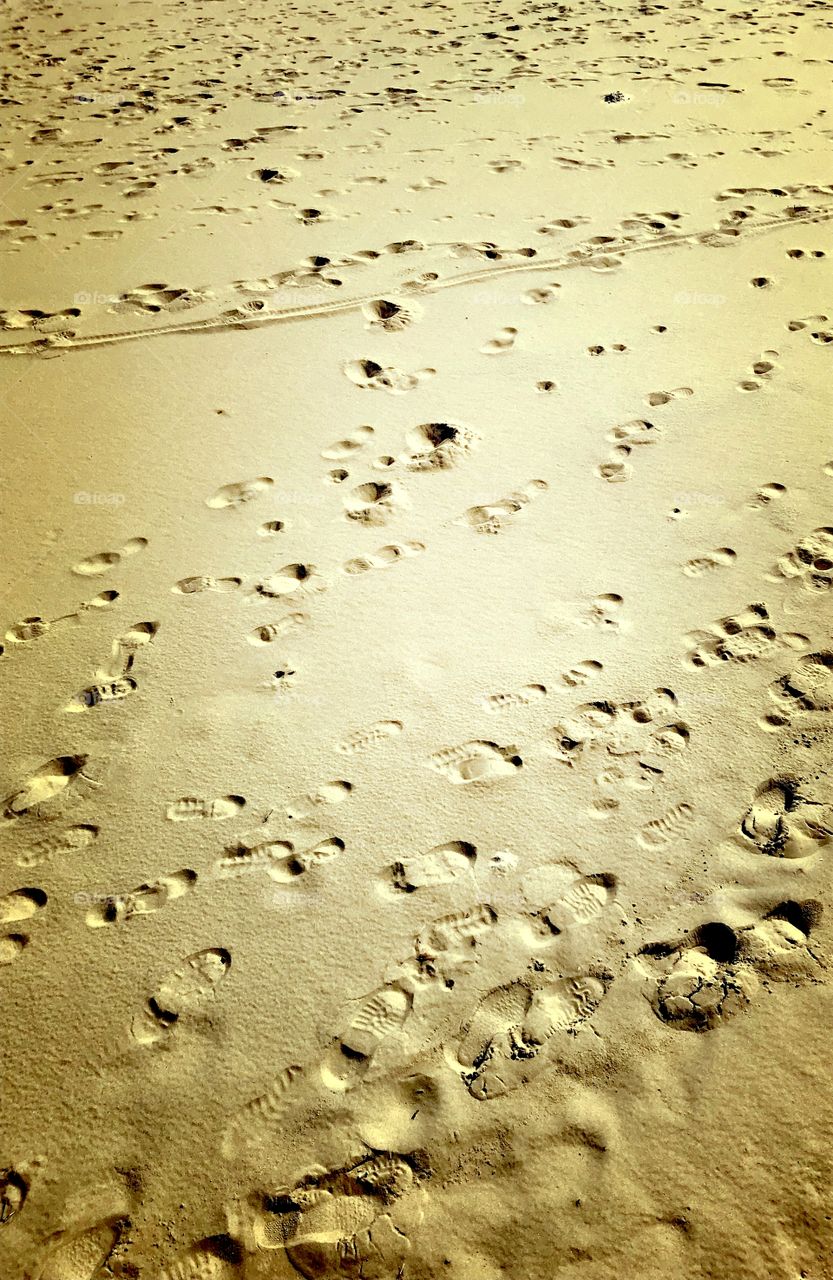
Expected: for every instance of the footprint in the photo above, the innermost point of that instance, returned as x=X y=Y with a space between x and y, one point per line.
x=778 y=945
x=494 y=517
x=383 y=313
x=183 y=991
x=369 y=375
x=95 y=565
x=261 y=1117
x=369 y=737
x=568 y=900
x=355 y=1220
x=215 y=1258
x=126 y=648
x=278 y=858
x=45 y=785
x=271 y=631
x=381 y=1015
x=352 y=444
x=14 y=1188
x=142 y=901
x=302 y=808
x=458 y=931
x=194 y=586
x=476 y=761
x=720 y=558
x=244 y=858
x=500 y=1048
x=811 y=560
x=12 y=946
x=807 y=688
x=96 y=694
x=602 y=612
x=786 y=820
x=21 y=904
x=33 y=628
x=81 y=1255
x=581 y=673
x=635 y=740
x=499 y=345
x=193 y=808
x=765 y=496
x=440 y=865
x=671 y=826
x=437 y=446
x=270 y=528
x=656 y=398
x=701 y=981
x=235 y=495
x=383 y=557
x=742 y=637
x=375 y=503
x=291 y=578
x=503 y=701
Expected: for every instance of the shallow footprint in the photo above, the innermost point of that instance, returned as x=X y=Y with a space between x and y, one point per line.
x=369 y=737
x=504 y=341
x=194 y=808
x=182 y=991
x=235 y=495
x=346 y=448
x=476 y=761
x=382 y=1014
x=196 y=585
x=440 y=865
x=81 y=1255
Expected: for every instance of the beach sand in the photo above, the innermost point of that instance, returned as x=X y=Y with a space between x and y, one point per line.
x=417 y=671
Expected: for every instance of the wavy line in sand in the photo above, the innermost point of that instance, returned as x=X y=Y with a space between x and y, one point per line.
x=55 y=344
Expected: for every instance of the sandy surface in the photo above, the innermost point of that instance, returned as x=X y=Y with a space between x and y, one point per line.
x=417 y=482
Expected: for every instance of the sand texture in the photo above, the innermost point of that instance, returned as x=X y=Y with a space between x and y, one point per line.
x=416 y=642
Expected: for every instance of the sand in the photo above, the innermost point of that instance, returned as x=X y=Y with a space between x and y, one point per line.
x=417 y=670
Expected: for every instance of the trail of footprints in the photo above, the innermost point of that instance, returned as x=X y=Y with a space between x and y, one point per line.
x=336 y=1219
